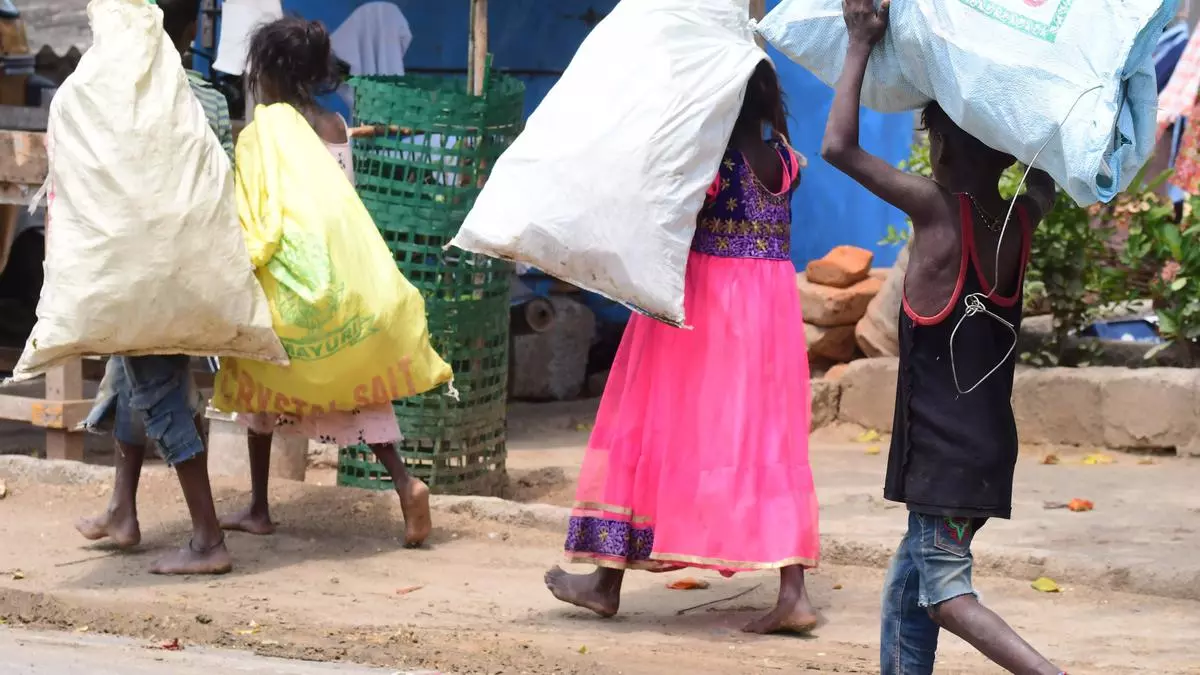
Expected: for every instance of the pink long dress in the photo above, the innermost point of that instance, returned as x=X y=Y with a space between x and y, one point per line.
x=699 y=457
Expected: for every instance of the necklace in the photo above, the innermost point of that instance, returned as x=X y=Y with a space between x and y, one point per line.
x=992 y=223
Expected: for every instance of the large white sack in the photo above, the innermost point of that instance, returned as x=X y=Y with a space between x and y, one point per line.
x=144 y=251
x=1008 y=72
x=603 y=187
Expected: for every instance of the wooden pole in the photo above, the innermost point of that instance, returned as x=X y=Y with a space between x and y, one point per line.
x=479 y=45
x=64 y=383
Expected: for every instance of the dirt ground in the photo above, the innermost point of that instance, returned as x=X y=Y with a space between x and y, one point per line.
x=333 y=584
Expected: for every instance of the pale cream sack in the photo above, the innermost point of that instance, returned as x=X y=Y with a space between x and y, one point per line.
x=144 y=251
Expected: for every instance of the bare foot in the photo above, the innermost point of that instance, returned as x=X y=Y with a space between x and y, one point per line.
x=250 y=521
x=414 y=501
x=797 y=617
x=190 y=560
x=121 y=528
x=582 y=590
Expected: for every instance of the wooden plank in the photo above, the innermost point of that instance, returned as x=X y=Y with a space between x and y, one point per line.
x=64 y=383
x=19 y=194
x=64 y=415
x=23 y=157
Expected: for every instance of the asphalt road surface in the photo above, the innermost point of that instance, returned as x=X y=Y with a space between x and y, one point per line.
x=33 y=653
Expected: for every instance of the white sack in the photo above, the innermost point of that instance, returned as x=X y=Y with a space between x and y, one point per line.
x=603 y=187
x=1008 y=72
x=144 y=251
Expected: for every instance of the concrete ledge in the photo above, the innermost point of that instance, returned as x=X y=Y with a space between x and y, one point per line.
x=1118 y=408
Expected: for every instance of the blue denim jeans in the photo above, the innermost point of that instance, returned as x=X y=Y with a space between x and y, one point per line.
x=932 y=565
x=150 y=397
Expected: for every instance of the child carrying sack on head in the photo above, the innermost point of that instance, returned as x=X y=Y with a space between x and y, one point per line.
x=143 y=252
x=353 y=326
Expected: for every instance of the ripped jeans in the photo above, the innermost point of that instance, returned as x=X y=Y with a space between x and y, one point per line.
x=932 y=565
x=159 y=390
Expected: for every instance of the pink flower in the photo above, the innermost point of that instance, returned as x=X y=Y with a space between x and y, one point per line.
x=1170 y=271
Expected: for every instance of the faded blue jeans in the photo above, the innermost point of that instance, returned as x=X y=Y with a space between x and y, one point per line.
x=932 y=565
x=150 y=397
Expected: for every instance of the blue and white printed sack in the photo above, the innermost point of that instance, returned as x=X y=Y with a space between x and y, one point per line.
x=1009 y=72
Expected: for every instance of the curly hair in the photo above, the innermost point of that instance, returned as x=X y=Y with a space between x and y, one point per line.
x=294 y=59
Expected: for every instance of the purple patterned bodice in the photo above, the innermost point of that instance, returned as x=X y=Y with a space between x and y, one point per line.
x=741 y=217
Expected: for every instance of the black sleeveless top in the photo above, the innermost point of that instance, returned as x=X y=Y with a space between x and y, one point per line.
x=954 y=454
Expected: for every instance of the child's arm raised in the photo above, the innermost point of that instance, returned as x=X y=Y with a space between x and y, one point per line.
x=915 y=195
x=1040 y=194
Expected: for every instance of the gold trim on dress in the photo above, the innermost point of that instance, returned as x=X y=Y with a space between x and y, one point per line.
x=610 y=509
x=670 y=558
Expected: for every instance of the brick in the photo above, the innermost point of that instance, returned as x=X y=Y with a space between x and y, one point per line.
x=828 y=306
x=835 y=343
x=842 y=267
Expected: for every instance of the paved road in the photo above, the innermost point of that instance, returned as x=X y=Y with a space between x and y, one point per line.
x=33 y=653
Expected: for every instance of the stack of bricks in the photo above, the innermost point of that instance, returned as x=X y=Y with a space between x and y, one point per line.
x=834 y=293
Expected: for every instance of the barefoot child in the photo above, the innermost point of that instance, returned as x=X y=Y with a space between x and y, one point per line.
x=954 y=445
x=291 y=61
x=161 y=391
x=699 y=457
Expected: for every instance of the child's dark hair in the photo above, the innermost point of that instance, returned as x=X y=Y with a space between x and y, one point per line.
x=295 y=57
x=178 y=16
x=764 y=101
x=935 y=120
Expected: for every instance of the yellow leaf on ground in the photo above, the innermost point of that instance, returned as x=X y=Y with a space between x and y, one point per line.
x=1046 y=585
x=868 y=436
x=873 y=450
x=1097 y=458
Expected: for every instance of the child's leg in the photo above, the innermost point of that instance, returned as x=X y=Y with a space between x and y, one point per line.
x=414 y=495
x=793 y=612
x=945 y=563
x=599 y=591
x=119 y=521
x=160 y=392
x=908 y=636
x=256 y=518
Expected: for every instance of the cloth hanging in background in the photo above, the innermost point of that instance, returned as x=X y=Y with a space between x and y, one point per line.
x=1178 y=98
x=1168 y=52
x=239 y=20
x=1167 y=55
x=373 y=40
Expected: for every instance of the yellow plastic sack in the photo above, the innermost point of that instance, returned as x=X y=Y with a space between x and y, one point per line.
x=352 y=325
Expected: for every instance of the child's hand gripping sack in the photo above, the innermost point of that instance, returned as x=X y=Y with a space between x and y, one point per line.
x=1071 y=79
x=143 y=250
x=353 y=326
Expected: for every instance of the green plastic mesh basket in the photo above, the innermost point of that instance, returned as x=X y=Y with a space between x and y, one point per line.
x=419 y=176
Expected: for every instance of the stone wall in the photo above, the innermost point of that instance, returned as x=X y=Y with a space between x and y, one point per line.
x=1118 y=408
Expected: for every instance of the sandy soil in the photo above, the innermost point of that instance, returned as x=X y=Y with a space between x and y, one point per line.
x=334 y=585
